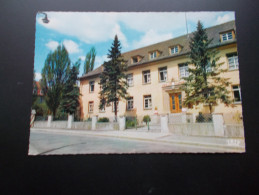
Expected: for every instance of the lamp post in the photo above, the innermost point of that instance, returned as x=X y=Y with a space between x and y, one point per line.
x=45 y=19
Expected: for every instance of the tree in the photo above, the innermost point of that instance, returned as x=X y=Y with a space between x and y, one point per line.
x=204 y=84
x=70 y=98
x=35 y=89
x=54 y=76
x=113 y=79
x=89 y=61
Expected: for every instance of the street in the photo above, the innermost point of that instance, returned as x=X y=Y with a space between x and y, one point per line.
x=50 y=143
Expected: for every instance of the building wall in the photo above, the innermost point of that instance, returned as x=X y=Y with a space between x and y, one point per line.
x=160 y=97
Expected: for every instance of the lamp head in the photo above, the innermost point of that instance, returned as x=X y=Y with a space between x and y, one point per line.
x=45 y=19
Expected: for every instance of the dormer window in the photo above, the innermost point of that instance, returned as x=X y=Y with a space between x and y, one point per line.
x=153 y=55
x=174 y=49
x=226 y=36
x=135 y=59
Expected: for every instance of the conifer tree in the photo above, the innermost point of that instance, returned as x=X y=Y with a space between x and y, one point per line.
x=113 y=78
x=204 y=84
x=89 y=61
x=54 y=76
x=70 y=97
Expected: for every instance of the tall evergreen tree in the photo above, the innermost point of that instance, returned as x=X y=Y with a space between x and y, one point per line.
x=205 y=84
x=89 y=61
x=113 y=78
x=70 y=98
x=54 y=76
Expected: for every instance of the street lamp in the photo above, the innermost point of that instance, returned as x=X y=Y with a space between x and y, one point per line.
x=45 y=19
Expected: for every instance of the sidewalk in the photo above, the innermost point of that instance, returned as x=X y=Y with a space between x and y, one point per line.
x=236 y=144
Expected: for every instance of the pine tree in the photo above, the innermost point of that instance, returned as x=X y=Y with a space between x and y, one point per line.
x=89 y=61
x=54 y=76
x=204 y=84
x=70 y=98
x=113 y=78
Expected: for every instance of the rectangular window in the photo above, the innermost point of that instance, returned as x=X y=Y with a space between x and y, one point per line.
x=233 y=61
x=91 y=107
x=91 y=89
x=163 y=74
x=152 y=55
x=146 y=76
x=183 y=70
x=174 y=49
x=237 y=94
x=227 y=36
x=147 y=102
x=130 y=80
x=113 y=106
x=130 y=103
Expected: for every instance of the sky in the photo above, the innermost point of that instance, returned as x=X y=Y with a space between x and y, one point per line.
x=80 y=31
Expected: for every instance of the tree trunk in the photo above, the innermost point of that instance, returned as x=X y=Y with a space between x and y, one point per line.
x=210 y=106
x=115 y=110
x=54 y=114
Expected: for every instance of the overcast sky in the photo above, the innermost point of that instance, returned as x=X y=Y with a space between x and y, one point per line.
x=79 y=31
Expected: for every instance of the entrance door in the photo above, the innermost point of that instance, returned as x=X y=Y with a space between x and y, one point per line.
x=176 y=102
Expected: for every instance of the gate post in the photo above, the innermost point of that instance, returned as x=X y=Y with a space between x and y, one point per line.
x=94 y=121
x=122 y=122
x=50 y=119
x=70 y=121
x=164 y=123
x=218 y=124
x=184 y=119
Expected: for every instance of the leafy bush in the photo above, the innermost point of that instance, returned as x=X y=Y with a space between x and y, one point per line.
x=40 y=107
x=131 y=121
x=104 y=119
x=146 y=119
x=130 y=124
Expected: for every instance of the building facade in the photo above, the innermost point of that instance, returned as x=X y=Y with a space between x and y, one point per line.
x=155 y=75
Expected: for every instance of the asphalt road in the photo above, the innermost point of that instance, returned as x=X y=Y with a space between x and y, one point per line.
x=49 y=143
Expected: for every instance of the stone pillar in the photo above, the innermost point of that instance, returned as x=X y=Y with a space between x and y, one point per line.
x=70 y=121
x=122 y=121
x=164 y=124
x=94 y=121
x=50 y=119
x=194 y=117
x=184 y=119
x=218 y=124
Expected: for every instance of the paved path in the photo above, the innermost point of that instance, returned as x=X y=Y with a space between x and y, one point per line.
x=43 y=141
